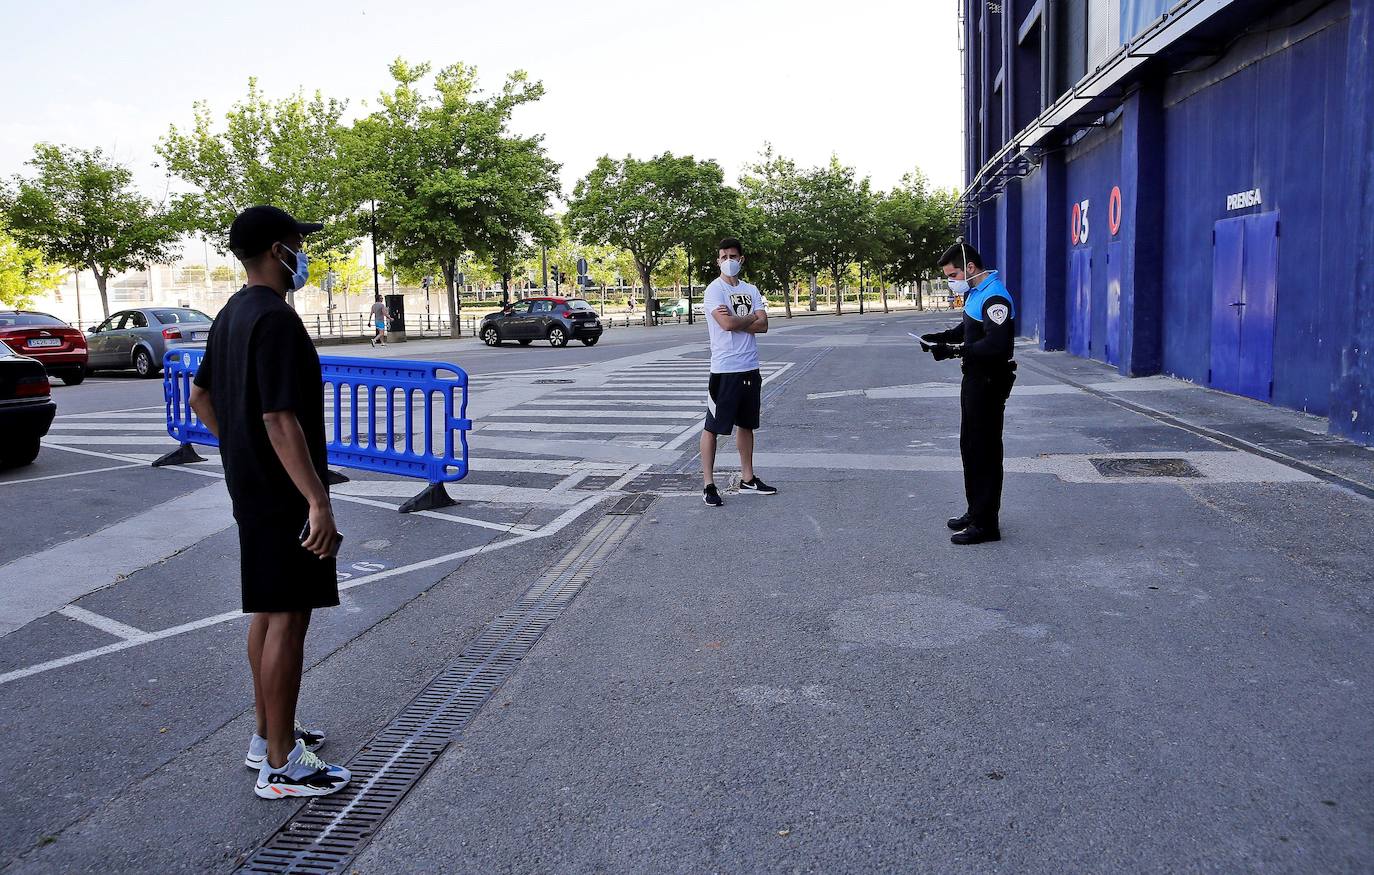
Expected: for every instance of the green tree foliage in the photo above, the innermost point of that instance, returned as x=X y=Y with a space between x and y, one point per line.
x=80 y=210
x=913 y=225
x=839 y=217
x=286 y=153
x=24 y=275
x=447 y=175
x=648 y=208
x=777 y=189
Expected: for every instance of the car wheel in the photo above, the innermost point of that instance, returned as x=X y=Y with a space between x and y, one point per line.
x=557 y=336
x=526 y=342
x=143 y=363
x=590 y=341
x=16 y=454
x=74 y=377
x=490 y=336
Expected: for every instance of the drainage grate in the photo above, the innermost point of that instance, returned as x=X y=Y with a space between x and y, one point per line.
x=324 y=835
x=597 y=482
x=540 y=382
x=629 y=505
x=1144 y=467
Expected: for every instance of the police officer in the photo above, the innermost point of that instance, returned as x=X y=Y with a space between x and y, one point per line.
x=985 y=343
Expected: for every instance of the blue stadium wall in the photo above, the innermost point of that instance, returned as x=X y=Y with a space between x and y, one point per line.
x=1286 y=113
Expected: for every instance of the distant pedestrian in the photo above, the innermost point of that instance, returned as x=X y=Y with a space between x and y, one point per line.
x=735 y=390
x=985 y=341
x=258 y=391
x=379 y=321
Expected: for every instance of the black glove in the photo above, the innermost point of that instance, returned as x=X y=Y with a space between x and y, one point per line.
x=942 y=351
x=930 y=339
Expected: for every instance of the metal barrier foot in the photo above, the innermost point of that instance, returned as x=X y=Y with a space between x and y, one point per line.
x=433 y=497
x=334 y=478
x=182 y=455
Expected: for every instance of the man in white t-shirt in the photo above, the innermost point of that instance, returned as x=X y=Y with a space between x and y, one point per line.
x=736 y=313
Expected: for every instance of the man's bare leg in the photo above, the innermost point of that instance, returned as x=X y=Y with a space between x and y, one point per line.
x=708 y=457
x=279 y=679
x=257 y=634
x=744 y=440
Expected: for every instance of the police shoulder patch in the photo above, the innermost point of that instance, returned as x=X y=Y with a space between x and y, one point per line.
x=998 y=313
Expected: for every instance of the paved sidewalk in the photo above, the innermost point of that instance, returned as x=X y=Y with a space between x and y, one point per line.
x=1146 y=675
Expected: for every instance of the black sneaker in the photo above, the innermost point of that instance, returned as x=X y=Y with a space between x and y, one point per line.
x=959 y=523
x=756 y=487
x=975 y=535
x=711 y=496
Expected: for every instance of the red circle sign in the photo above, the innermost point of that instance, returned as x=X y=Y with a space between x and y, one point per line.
x=1075 y=224
x=1114 y=210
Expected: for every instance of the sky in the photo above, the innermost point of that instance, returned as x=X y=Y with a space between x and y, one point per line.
x=876 y=83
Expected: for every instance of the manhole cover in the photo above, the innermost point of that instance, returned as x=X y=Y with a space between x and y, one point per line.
x=665 y=482
x=632 y=504
x=555 y=381
x=1144 y=467
x=598 y=482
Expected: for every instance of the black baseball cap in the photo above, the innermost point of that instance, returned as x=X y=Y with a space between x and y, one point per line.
x=255 y=230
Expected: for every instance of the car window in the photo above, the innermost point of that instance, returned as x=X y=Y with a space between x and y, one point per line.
x=520 y=308
x=578 y=304
x=136 y=320
x=179 y=316
x=9 y=320
x=541 y=306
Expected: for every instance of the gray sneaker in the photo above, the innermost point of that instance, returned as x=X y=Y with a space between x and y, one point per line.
x=304 y=774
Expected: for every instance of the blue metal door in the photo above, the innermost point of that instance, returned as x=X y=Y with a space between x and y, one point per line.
x=1111 y=345
x=1261 y=296
x=1245 y=262
x=1080 y=315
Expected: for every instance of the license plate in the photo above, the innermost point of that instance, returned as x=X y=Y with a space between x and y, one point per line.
x=46 y=341
x=199 y=335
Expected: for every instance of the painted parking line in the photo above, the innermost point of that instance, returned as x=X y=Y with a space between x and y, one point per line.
x=101 y=622
x=567 y=518
x=69 y=474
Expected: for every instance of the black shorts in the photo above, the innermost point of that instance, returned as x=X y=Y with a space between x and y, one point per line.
x=734 y=400
x=278 y=574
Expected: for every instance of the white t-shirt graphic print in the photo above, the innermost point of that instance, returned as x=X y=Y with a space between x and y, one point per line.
x=732 y=352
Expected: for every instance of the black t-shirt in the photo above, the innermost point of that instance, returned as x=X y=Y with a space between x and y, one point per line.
x=259 y=359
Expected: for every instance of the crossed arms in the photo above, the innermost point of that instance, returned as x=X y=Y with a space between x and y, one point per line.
x=755 y=323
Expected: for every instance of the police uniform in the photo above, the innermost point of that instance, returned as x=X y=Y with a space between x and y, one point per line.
x=988 y=333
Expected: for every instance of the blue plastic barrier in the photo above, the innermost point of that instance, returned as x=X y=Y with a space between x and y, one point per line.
x=394 y=417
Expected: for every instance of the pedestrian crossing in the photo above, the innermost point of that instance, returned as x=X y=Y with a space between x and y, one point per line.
x=600 y=426
x=650 y=404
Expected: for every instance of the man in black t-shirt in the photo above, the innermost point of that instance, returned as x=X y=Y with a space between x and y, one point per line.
x=258 y=389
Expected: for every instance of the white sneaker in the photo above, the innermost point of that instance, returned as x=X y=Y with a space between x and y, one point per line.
x=304 y=774
x=257 y=746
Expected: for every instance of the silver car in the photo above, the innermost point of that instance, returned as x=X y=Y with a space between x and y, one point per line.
x=138 y=338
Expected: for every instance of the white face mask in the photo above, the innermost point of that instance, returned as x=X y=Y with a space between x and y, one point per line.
x=958 y=287
x=730 y=267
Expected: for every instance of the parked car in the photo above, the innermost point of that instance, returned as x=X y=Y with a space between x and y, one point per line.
x=26 y=407
x=557 y=320
x=138 y=338
x=59 y=347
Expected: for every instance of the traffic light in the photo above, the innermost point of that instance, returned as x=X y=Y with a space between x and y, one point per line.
x=557 y=279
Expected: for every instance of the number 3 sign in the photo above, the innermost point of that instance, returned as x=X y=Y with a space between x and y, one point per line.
x=1078 y=225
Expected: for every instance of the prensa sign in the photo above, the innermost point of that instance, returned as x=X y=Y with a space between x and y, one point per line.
x=1242 y=199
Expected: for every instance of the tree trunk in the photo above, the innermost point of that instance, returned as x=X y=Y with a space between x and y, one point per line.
x=839 y=291
x=450 y=269
x=812 y=295
x=647 y=279
x=883 y=285
x=787 y=294
x=100 y=280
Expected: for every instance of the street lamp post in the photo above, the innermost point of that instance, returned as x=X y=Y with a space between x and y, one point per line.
x=689 y=287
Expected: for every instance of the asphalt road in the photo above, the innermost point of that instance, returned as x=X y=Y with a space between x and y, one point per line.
x=1147 y=674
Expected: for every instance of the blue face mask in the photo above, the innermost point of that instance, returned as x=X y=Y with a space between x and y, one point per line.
x=302 y=270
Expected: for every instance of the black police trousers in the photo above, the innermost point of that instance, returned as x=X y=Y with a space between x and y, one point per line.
x=982 y=402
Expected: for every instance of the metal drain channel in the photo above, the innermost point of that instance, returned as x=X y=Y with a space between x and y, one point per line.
x=330 y=830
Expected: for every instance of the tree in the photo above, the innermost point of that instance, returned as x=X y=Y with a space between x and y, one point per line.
x=448 y=177
x=222 y=273
x=913 y=225
x=81 y=211
x=839 y=213
x=24 y=275
x=647 y=208
x=286 y=153
x=777 y=189
x=350 y=275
